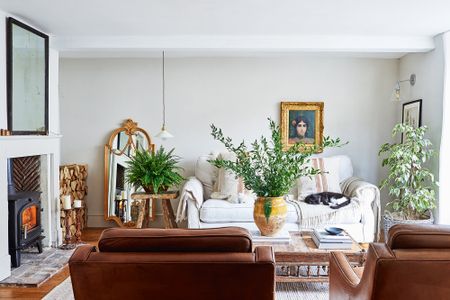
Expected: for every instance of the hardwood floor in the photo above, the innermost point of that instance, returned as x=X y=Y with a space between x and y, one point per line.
x=89 y=235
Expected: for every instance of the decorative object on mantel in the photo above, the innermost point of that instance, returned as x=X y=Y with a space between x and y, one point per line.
x=396 y=95
x=302 y=122
x=269 y=171
x=409 y=183
x=27 y=79
x=122 y=145
x=72 y=180
x=164 y=134
x=5 y=132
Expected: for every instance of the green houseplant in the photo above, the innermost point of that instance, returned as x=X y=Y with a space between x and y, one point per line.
x=269 y=171
x=154 y=171
x=410 y=184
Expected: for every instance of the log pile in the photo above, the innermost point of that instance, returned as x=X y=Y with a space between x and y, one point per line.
x=72 y=181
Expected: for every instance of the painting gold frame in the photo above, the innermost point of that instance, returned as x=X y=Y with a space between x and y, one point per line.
x=285 y=122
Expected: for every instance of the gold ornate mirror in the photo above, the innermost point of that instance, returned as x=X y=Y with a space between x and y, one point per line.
x=121 y=146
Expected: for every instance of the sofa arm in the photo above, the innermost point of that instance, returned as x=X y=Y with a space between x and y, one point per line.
x=368 y=197
x=264 y=254
x=191 y=193
x=81 y=253
x=346 y=284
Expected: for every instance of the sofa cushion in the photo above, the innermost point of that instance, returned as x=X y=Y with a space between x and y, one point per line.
x=327 y=181
x=221 y=211
x=206 y=173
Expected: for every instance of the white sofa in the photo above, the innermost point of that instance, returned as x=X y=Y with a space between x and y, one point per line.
x=360 y=218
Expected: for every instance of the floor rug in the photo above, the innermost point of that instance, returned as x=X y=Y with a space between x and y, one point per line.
x=36 y=268
x=285 y=291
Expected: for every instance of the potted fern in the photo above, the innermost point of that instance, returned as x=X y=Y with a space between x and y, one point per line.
x=154 y=171
x=410 y=184
x=269 y=171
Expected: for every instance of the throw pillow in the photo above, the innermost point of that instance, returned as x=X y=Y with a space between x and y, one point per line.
x=328 y=181
x=228 y=186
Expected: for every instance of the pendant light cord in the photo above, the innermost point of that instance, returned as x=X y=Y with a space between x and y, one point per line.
x=164 y=90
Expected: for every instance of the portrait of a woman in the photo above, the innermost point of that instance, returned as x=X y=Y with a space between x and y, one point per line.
x=301 y=122
x=301 y=129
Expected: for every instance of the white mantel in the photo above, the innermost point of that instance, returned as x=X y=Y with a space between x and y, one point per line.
x=19 y=146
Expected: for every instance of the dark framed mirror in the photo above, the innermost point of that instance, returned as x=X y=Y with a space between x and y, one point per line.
x=27 y=79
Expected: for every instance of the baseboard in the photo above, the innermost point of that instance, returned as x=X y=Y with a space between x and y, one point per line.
x=5 y=266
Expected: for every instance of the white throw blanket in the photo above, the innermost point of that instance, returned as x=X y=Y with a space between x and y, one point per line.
x=312 y=216
x=193 y=189
x=355 y=187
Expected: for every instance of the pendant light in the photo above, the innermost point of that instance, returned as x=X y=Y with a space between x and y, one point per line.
x=164 y=134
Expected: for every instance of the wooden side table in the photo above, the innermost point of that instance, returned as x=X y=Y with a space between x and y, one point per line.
x=165 y=197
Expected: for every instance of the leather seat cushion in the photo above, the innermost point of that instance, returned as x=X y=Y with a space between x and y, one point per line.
x=221 y=211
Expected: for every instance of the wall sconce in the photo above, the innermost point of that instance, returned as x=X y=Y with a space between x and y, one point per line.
x=396 y=96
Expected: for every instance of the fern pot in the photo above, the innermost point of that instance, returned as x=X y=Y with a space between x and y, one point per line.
x=389 y=222
x=269 y=214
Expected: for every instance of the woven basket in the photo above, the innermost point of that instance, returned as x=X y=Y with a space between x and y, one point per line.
x=389 y=222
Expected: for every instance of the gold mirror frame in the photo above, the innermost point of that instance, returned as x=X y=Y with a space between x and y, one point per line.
x=130 y=128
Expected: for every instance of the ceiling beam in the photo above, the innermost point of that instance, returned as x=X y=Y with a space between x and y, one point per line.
x=335 y=44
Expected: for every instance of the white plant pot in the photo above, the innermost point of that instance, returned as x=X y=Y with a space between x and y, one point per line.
x=389 y=222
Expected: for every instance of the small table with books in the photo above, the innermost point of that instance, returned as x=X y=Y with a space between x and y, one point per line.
x=300 y=260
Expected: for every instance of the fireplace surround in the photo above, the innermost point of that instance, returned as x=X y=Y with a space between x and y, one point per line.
x=48 y=148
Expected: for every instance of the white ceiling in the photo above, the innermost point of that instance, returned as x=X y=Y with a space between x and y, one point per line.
x=276 y=25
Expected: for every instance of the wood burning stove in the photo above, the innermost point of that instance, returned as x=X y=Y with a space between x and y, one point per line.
x=24 y=221
x=24 y=224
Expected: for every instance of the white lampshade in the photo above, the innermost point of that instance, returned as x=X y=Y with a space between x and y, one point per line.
x=164 y=134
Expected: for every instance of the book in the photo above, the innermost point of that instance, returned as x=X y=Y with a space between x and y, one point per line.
x=325 y=237
x=282 y=236
x=331 y=246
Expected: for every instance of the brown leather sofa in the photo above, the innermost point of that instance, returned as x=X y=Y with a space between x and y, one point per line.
x=413 y=264
x=172 y=264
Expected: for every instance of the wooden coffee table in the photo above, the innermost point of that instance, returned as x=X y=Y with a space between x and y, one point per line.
x=301 y=261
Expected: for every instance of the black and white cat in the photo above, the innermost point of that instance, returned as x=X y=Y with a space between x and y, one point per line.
x=333 y=200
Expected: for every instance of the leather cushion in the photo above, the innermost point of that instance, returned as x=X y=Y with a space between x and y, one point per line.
x=420 y=236
x=226 y=239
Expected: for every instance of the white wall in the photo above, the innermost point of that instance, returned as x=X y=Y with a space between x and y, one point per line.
x=429 y=69
x=237 y=94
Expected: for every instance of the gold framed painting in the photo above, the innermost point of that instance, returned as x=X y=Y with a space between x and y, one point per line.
x=301 y=122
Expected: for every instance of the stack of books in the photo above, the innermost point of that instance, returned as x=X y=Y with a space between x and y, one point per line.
x=326 y=241
x=282 y=236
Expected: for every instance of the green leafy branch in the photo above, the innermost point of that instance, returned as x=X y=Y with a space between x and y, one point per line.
x=265 y=167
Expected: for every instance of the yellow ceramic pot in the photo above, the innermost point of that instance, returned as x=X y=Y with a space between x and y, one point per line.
x=270 y=214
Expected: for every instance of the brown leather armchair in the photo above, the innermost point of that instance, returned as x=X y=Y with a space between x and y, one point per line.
x=200 y=264
x=413 y=264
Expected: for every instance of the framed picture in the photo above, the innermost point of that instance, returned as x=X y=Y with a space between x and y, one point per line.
x=27 y=79
x=412 y=113
x=301 y=122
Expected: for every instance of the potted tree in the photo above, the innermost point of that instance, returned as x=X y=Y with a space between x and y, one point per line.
x=410 y=184
x=269 y=172
x=154 y=171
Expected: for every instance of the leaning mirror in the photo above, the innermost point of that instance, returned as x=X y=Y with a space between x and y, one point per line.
x=121 y=146
x=27 y=79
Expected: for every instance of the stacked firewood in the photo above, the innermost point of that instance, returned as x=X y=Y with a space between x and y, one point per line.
x=72 y=181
